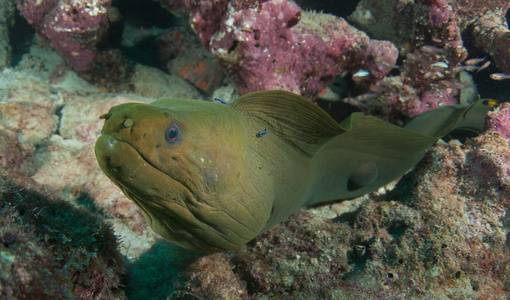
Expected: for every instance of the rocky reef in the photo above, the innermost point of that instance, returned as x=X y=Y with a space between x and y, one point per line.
x=402 y=58
x=6 y=22
x=434 y=38
x=51 y=249
x=67 y=232
x=275 y=45
x=73 y=28
x=441 y=233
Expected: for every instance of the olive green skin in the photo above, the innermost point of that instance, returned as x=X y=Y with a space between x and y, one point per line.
x=222 y=183
x=213 y=190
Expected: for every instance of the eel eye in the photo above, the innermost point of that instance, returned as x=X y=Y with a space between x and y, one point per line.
x=172 y=134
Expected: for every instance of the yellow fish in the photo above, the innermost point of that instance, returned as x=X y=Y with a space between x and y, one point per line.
x=210 y=177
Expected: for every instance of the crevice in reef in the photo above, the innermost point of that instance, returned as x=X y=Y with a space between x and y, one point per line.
x=21 y=35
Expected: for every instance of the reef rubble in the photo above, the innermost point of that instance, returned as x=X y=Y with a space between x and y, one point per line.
x=434 y=38
x=275 y=45
x=441 y=232
x=73 y=28
x=404 y=57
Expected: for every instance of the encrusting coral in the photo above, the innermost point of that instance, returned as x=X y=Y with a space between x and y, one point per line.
x=435 y=38
x=73 y=28
x=51 y=249
x=264 y=45
x=6 y=22
x=441 y=233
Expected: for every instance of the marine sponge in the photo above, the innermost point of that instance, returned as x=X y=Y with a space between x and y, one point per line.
x=266 y=45
x=74 y=28
x=499 y=120
x=50 y=249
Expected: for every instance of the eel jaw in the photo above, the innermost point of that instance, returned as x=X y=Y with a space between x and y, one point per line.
x=169 y=207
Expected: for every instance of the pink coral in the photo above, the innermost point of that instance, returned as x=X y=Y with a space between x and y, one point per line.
x=485 y=21
x=274 y=45
x=428 y=34
x=184 y=56
x=430 y=100
x=499 y=120
x=74 y=28
x=489 y=163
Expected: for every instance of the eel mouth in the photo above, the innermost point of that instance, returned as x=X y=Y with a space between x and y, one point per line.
x=115 y=154
x=170 y=208
x=130 y=170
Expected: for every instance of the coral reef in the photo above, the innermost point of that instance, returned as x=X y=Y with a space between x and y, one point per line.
x=185 y=57
x=73 y=28
x=499 y=120
x=50 y=249
x=210 y=277
x=266 y=45
x=150 y=82
x=177 y=7
x=428 y=35
x=110 y=71
x=411 y=25
x=12 y=152
x=441 y=233
x=6 y=20
x=485 y=21
x=311 y=256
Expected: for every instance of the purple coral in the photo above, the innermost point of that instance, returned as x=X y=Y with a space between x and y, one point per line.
x=429 y=100
x=428 y=34
x=74 y=28
x=274 y=45
x=499 y=120
x=485 y=21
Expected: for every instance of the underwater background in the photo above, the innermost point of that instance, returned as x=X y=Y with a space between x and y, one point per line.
x=67 y=232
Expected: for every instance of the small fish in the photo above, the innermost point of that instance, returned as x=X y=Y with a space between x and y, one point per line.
x=440 y=64
x=490 y=102
x=432 y=49
x=470 y=68
x=474 y=61
x=436 y=40
x=366 y=96
x=499 y=76
x=219 y=100
x=262 y=133
x=360 y=73
x=456 y=85
x=484 y=66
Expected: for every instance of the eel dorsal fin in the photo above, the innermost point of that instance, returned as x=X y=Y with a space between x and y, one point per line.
x=441 y=121
x=372 y=152
x=294 y=119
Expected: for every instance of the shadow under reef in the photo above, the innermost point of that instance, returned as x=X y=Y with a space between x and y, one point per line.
x=50 y=249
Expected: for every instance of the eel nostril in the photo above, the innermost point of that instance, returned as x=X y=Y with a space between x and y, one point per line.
x=128 y=123
x=105 y=116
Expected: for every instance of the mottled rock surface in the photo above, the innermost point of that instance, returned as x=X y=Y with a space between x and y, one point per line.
x=6 y=22
x=441 y=233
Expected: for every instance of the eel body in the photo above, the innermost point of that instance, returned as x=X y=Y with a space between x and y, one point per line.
x=210 y=177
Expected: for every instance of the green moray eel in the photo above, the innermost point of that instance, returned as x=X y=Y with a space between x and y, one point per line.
x=210 y=177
